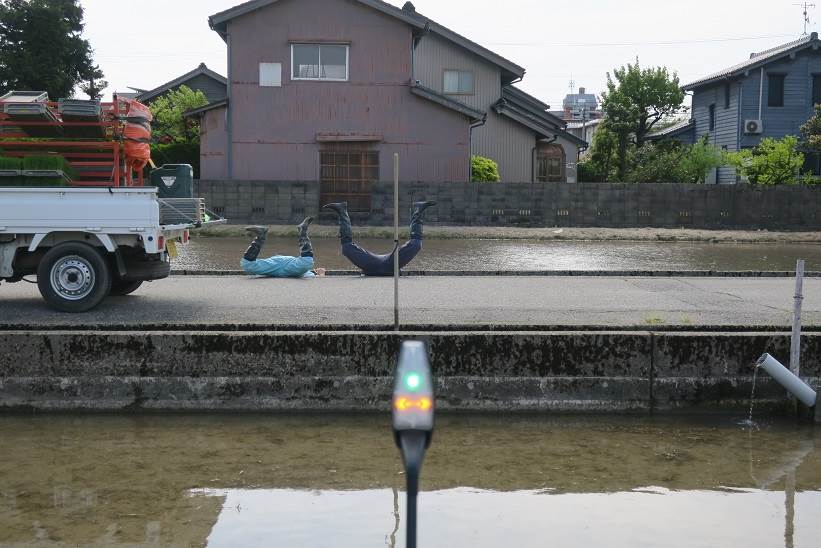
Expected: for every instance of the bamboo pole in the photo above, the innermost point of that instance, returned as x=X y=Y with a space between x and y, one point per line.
x=396 y=241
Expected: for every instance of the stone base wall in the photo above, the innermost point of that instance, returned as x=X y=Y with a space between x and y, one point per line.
x=536 y=204
x=485 y=371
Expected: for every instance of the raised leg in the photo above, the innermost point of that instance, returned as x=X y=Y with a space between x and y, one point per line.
x=260 y=233
x=345 y=229
x=305 y=247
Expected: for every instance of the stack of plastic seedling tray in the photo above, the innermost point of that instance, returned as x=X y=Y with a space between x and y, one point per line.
x=10 y=172
x=77 y=110
x=32 y=106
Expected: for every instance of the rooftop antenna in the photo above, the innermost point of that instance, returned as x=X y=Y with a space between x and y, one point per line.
x=806 y=7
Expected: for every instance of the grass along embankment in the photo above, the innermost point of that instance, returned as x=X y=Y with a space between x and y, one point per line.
x=547 y=234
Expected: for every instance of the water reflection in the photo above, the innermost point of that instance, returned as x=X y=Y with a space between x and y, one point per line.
x=491 y=255
x=650 y=516
x=116 y=481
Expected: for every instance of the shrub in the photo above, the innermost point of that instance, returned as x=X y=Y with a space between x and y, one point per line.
x=484 y=170
x=586 y=172
x=772 y=162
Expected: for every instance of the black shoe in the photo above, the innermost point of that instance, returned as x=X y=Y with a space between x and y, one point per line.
x=422 y=206
x=339 y=208
x=305 y=224
x=257 y=231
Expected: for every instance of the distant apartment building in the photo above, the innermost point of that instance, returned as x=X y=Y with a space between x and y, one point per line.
x=579 y=106
x=332 y=98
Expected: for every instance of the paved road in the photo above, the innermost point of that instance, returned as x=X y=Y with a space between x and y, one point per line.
x=548 y=301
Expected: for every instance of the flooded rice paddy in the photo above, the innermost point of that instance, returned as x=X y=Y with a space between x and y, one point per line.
x=522 y=255
x=254 y=481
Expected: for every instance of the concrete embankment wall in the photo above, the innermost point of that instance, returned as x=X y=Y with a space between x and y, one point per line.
x=562 y=371
x=742 y=206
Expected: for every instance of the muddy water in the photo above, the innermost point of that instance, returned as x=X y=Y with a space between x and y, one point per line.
x=225 y=253
x=257 y=481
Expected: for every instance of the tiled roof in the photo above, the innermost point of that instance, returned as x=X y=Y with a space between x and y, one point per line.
x=202 y=69
x=756 y=59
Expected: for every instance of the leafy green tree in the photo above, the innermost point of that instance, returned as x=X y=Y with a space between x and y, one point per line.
x=170 y=126
x=484 y=170
x=772 y=162
x=661 y=163
x=94 y=85
x=601 y=164
x=699 y=159
x=42 y=47
x=811 y=131
x=635 y=102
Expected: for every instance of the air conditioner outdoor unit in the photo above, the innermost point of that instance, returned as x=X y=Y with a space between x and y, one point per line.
x=753 y=127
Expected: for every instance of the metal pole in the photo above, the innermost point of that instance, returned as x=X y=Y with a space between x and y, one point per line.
x=795 y=343
x=413 y=491
x=396 y=241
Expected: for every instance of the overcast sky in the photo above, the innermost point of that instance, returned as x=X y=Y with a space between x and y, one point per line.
x=146 y=43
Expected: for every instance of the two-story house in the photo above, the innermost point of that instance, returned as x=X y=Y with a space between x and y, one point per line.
x=329 y=90
x=771 y=94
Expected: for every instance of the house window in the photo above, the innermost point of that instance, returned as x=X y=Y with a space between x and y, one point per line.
x=712 y=117
x=775 y=97
x=346 y=172
x=726 y=96
x=319 y=62
x=459 y=82
x=550 y=164
x=816 y=89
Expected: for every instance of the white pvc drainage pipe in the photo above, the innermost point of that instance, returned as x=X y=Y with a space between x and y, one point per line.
x=785 y=378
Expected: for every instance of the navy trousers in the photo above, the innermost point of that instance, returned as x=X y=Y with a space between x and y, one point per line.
x=372 y=264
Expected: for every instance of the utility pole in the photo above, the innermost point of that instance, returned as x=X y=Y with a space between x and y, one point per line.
x=806 y=6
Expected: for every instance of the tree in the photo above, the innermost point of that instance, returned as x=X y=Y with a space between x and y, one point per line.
x=772 y=162
x=484 y=170
x=94 y=86
x=602 y=161
x=811 y=131
x=42 y=48
x=636 y=101
x=170 y=126
x=700 y=159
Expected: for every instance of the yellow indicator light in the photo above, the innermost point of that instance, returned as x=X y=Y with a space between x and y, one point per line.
x=405 y=404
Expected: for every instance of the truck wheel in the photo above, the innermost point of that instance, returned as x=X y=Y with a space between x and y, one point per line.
x=121 y=288
x=73 y=277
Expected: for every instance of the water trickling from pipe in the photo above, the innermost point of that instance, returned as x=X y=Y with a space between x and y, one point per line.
x=749 y=423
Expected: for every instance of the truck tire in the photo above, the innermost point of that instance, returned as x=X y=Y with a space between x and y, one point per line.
x=121 y=288
x=73 y=277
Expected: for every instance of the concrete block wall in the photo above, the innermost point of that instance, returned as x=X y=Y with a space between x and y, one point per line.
x=537 y=204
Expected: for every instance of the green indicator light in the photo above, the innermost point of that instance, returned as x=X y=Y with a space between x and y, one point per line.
x=413 y=380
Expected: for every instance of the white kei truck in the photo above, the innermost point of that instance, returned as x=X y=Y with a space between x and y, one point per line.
x=85 y=244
